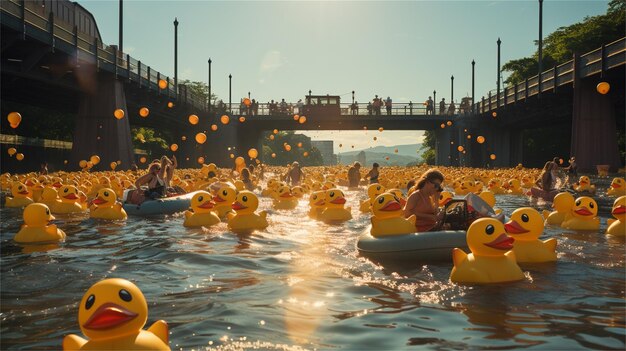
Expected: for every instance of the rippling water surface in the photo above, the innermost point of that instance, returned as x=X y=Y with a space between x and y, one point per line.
x=301 y=284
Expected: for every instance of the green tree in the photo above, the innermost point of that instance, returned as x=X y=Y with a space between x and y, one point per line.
x=150 y=140
x=199 y=90
x=296 y=153
x=428 y=147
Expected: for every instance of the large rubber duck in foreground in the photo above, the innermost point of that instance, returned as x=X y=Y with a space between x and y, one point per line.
x=20 y=196
x=583 y=216
x=562 y=203
x=617 y=188
x=617 y=226
x=36 y=228
x=106 y=206
x=244 y=218
x=585 y=186
x=201 y=213
x=491 y=260
x=335 y=211
x=388 y=217
x=112 y=314
x=372 y=191
x=69 y=200
x=525 y=226
x=317 y=203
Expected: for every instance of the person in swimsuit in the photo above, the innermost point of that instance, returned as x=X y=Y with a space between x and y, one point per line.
x=423 y=202
x=373 y=174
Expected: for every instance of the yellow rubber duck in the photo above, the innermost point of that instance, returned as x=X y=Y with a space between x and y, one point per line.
x=335 y=211
x=201 y=213
x=515 y=188
x=224 y=197
x=617 y=226
x=583 y=216
x=562 y=203
x=491 y=260
x=244 y=218
x=284 y=200
x=317 y=203
x=617 y=188
x=495 y=186
x=106 y=206
x=373 y=190
x=444 y=198
x=69 y=200
x=388 y=217
x=50 y=197
x=465 y=187
x=398 y=193
x=36 y=228
x=297 y=191
x=525 y=226
x=528 y=181
x=35 y=187
x=112 y=314
x=585 y=186
x=20 y=196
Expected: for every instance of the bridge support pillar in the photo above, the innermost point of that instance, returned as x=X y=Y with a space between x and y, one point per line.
x=98 y=132
x=248 y=138
x=594 y=140
x=447 y=140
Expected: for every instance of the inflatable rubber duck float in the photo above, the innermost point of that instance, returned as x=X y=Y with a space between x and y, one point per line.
x=515 y=187
x=562 y=203
x=284 y=200
x=525 y=226
x=224 y=196
x=317 y=203
x=491 y=260
x=398 y=193
x=465 y=187
x=35 y=187
x=584 y=186
x=617 y=226
x=36 y=228
x=49 y=197
x=69 y=200
x=244 y=218
x=528 y=181
x=112 y=314
x=617 y=188
x=297 y=191
x=373 y=190
x=495 y=186
x=201 y=213
x=388 y=217
x=106 y=206
x=335 y=211
x=583 y=216
x=444 y=198
x=20 y=196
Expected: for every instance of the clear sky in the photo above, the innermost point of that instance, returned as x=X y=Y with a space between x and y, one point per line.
x=279 y=49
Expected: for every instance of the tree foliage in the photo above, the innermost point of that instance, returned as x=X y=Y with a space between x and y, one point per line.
x=560 y=46
x=283 y=157
x=429 y=146
x=150 y=140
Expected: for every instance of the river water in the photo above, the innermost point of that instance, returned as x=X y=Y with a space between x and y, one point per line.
x=302 y=284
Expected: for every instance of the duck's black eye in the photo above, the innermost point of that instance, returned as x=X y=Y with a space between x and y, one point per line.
x=90 y=301
x=377 y=188
x=332 y=194
x=578 y=202
x=490 y=229
x=440 y=197
x=396 y=198
x=66 y=190
x=200 y=198
x=591 y=205
x=381 y=200
x=47 y=212
x=125 y=295
x=106 y=193
x=525 y=217
x=244 y=198
x=225 y=193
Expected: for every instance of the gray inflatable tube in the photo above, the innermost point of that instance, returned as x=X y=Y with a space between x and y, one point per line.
x=167 y=205
x=416 y=247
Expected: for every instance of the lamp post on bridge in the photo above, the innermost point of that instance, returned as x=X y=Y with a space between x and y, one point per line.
x=434 y=101
x=540 y=58
x=176 y=56
x=498 y=84
x=352 y=97
x=473 y=64
x=451 y=89
x=121 y=30
x=230 y=80
x=209 y=104
x=248 y=95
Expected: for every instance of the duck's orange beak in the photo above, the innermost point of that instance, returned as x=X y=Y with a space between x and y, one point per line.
x=218 y=199
x=237 y=206
x=621 y=209
x=339 y=201
x=71 y=197
x=108 y=316
x=99 y=201
x=583 y=211
x=502 y=242
x=391 y=206
x=512 y=227
x=207 y=205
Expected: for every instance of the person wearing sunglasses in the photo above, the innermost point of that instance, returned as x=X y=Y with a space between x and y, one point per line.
x=423 y=202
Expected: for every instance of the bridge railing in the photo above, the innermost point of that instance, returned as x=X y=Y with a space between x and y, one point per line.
x=588 y=64
x=63 y=36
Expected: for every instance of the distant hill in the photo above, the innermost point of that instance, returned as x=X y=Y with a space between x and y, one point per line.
x=406 y=154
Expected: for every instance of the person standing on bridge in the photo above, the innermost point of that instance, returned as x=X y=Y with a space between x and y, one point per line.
x=388 y=105
x=376 y=104
x=442 y=106
x=429 y=106
x=451 y=108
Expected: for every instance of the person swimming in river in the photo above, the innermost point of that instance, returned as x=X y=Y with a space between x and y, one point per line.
x=373 y=173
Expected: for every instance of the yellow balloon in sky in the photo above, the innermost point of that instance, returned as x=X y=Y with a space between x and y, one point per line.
x=144 y=112
x=95 y=159
x=232 y=155
x=603 y=87
x=82 y=163
x=299 y=144
x=14 y=119
x=271 y=136
x=305 y=154
x=288 y=147
x=460 y=148
x=242 y=119
x=174 y=147
x=492 y=156
x=162 y=84
x=296 y=117
x=19 y=156
x=201 y=160
x=112 y=165
x=302 y=119
x=449 y=123
x=200 y=138
x=170 y=104
x=224 y=119
x=119 y=113
x=443 y=125
x=381 y=129
x=12 y=151
x=480 y=139
x=213 y=127
x=253 y=153
x=240 y=161
x=142 y=159
x=275 y=131
x=247 y=102
x=193 y=119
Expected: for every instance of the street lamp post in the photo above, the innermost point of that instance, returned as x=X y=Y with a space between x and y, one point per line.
x=498 y=84
x=540 y=46
x=434 y=100
x=121 y=30
x=353 y=97
x=209 y=105
x=176 y=56
x=451 y=89
x=473 y=64
x=248 y=95
x=230 y=81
